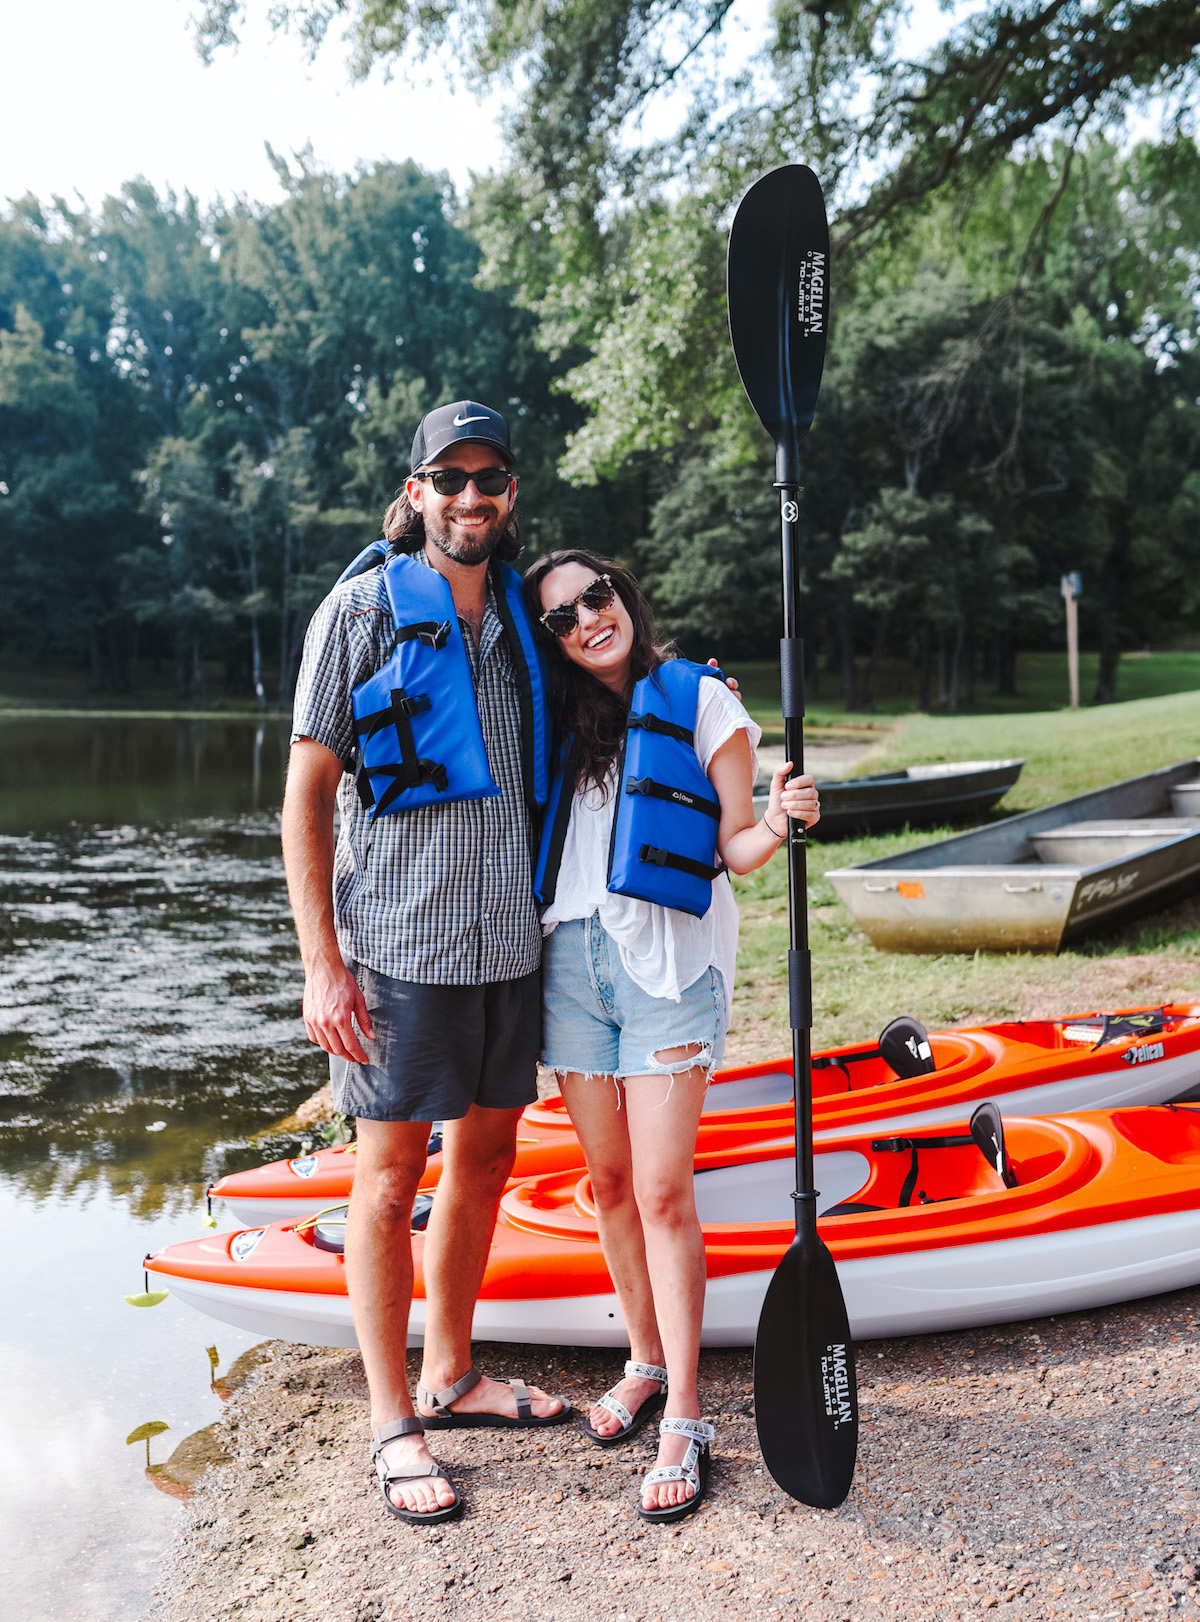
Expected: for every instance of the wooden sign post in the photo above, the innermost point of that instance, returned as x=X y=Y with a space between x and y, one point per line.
x=1072 y=590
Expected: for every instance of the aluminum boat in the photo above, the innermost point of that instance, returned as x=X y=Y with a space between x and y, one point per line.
x=1039 y=881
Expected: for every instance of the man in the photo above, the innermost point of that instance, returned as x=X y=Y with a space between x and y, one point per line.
x=438 y=1015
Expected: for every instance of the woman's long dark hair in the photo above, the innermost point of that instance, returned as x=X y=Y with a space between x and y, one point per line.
x=582 y=704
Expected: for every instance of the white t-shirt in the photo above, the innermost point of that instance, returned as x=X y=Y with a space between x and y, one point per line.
x=661 y=949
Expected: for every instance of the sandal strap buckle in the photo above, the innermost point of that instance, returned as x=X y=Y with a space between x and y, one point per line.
x=440 y=1401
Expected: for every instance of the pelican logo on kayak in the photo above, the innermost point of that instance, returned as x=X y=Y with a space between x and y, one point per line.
x=1144 y=1054
x=242 y=1244
x=810 y=301
x=835 y=1385
x=304 y=1167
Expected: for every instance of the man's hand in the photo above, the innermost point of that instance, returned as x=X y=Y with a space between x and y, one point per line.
x=333 y=1001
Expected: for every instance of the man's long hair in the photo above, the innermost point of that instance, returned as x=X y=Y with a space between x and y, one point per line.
x=404 y=527
x=582 y=704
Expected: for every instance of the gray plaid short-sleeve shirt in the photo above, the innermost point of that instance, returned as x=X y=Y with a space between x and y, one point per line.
x=440 y=894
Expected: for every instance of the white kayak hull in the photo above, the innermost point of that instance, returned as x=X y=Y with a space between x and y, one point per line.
x=918 y=1292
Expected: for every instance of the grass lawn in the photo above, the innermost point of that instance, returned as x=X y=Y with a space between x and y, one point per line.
x=1041 y=685
x=858 y=988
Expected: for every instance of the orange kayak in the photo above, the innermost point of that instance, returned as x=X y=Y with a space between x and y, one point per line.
x=1029 y=1067
x=925 y=1231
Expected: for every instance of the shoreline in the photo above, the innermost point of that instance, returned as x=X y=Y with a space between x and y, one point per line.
x=1030 y=1469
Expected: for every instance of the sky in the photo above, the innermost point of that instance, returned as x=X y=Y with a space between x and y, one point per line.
x=98 y=92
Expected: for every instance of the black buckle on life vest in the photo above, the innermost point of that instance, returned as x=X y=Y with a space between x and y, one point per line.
x=428 y=631
x=657 y=857
x=416 y=705
x=411 y=770
x=674 y=796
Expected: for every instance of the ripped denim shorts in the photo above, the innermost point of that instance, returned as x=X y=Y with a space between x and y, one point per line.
x=599 y=1022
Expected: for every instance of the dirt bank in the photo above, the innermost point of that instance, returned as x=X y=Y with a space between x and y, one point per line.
x=1041 y=1470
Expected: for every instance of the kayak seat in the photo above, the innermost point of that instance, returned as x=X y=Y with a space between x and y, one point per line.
x=986 y=1135
x=903 y=1045
x=850 y=1208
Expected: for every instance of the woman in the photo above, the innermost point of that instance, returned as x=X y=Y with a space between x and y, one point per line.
x=638 y=963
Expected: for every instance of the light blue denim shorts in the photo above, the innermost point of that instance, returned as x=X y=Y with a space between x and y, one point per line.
x=600 y=1022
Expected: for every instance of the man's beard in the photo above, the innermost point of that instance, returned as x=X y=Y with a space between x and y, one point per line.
x=472 y=549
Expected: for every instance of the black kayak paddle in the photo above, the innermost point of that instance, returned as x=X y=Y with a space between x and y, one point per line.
x=805 y=1392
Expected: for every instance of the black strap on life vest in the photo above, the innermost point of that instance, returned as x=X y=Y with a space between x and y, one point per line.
x=524 y=693
x=411 y=769
x=675 y=796
x=562 y=819
x=665 y=729
x=658 y=857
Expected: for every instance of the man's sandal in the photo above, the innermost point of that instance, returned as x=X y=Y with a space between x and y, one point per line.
x=444 y=1419
x=390 y=1478
x=694 y=1469
x=630 y=1423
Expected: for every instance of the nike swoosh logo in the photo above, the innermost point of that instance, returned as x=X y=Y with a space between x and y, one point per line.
x=461 y=422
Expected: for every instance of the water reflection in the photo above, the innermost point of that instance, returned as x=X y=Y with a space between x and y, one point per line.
x=149 y=1031
x=111 y=769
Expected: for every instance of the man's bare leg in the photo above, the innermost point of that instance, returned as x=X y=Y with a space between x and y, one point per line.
x=477 y=1159
x=379 y=1276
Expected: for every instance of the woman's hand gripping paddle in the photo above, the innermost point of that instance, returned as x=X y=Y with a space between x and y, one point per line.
x=805 y=1395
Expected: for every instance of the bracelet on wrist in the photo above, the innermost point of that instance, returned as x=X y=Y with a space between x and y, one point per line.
x=771 y=830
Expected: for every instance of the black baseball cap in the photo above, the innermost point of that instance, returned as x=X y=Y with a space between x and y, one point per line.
x=466 y=422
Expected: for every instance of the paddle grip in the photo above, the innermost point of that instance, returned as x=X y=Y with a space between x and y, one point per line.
x=800 y=989
x=791 y=677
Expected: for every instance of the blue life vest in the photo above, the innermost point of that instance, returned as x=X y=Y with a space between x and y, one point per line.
x=664 y=833
x=420 y=741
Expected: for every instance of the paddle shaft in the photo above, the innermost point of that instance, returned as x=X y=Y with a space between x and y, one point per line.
x=791 y=670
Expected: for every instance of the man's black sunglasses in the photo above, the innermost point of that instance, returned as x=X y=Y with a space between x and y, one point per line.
x=452 y=481
x=596 y=595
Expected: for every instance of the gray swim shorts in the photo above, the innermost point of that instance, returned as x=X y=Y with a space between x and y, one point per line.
x=439 y=1049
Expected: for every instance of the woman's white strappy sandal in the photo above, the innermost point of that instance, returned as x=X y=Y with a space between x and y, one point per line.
x=630 y=1423
x=694 y=1470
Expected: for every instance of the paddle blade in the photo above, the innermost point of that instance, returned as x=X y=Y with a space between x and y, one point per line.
x=778 y=289
x=805 y=1391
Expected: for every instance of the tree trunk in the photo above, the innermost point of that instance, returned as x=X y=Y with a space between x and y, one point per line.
x=197 y=683
x=878 y=643
x=256 y=663
x=849 y=673
x=955 y=664
x=1006 y=665
x=924 y=694
x=1106 y=676
x=285 y=652
x=93 y=648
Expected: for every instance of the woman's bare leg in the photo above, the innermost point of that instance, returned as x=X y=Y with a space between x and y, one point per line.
x=663 y=1114
x=597 y=1110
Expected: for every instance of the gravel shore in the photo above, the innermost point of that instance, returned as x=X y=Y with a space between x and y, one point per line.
x=1039 y=1470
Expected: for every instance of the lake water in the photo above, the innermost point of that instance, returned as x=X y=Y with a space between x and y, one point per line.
x=149 y=1029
